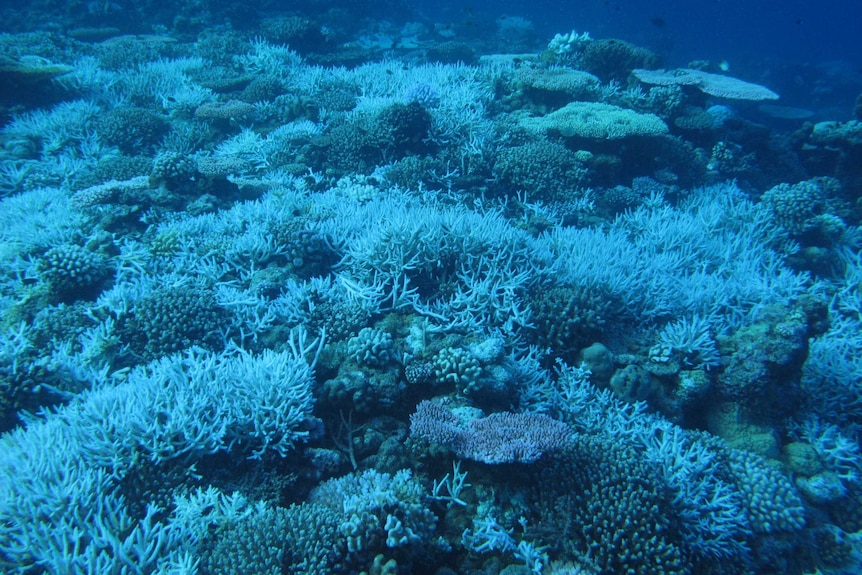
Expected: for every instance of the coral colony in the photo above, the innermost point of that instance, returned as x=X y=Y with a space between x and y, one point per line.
x=285 y=300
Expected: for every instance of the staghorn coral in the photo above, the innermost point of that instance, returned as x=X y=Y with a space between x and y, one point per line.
x=438 y=240
x=179 y=409
x=423 y=94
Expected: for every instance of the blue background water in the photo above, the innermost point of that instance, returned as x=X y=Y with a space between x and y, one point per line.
x=809 y=52
x=795 y=30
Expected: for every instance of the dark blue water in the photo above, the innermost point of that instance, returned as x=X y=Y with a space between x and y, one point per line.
x=795 y=30
x=811 y=52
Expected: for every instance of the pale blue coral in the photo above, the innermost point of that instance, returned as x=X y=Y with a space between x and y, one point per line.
x=372 y=348
x=180 y=408
x=378 y=510
x=722 y=497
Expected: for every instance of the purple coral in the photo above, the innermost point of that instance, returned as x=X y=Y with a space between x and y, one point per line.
x=499 y=438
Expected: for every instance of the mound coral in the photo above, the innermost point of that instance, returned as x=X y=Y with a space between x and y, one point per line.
x=613 y=59
x=72 y=272
x=548 y=170
x=173 y=319
x=563 y=81
x=595 y=121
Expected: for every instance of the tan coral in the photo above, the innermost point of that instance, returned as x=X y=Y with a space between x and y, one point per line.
x=230 y=110
x=563 y=80
x=596 y=120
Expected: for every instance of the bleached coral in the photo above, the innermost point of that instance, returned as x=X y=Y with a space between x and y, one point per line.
x=717 y=85
x=596 y=120
x=568 y=44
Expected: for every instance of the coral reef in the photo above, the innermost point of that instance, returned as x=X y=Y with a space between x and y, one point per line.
x=333 y=289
